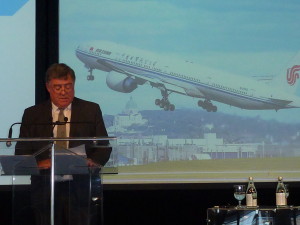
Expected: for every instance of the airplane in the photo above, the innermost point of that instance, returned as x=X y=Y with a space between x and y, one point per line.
x=128 y=68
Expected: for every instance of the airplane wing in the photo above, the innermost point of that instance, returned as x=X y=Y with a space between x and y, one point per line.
x=154 y=82
x=280 y=101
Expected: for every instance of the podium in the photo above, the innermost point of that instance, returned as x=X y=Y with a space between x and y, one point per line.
x=69 y=191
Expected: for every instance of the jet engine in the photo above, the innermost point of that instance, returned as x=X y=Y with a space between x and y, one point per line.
x=120 y=82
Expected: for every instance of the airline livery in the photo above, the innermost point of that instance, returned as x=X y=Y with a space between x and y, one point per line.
x=127 y=68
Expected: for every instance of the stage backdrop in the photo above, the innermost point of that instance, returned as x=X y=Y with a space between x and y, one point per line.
x=195 y=91
x=17 y=60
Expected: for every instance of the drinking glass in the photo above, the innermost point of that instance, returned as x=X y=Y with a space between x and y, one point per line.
x=239 y=193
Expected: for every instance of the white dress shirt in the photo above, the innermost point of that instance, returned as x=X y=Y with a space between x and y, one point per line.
x=67 y=113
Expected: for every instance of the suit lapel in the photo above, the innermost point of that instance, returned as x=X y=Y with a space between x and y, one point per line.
x=74 y=116
x=48 y=117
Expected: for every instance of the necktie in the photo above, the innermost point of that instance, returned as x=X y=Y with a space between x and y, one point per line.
x=61 y=129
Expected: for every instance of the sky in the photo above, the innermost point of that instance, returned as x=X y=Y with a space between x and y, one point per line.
x=247 y=38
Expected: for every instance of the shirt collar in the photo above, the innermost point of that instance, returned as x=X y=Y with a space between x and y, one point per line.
x=55 y=108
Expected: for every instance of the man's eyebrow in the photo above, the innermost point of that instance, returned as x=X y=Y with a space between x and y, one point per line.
x=62 y=84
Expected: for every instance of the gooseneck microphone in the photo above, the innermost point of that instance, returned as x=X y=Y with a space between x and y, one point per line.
x=10 y=131
x=53 y=124
x=8 y=143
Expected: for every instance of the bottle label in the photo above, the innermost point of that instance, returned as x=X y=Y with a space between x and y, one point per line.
x=280 y=199
x=250 y=201
x=254 y=202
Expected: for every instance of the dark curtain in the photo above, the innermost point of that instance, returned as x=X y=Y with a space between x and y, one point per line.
x=46 y=43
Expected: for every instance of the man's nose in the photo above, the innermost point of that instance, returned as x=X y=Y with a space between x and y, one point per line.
x=63 y=90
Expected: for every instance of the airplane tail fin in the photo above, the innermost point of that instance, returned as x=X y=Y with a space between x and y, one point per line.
x=288 y=79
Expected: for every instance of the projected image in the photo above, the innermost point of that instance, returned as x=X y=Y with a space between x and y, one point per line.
x=127 y=69
x=195 y=91
x=17 y=57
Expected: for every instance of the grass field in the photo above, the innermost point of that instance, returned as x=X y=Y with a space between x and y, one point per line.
x=195 y=171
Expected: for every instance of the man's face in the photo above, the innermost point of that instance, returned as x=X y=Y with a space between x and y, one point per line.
x=61 y=91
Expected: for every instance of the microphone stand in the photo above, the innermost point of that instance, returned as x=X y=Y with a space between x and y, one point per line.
x=52 y=194
x=52 y=184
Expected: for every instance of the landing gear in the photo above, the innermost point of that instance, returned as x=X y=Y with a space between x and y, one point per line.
x=90 y=76
x=207 y=105
x=164 y=103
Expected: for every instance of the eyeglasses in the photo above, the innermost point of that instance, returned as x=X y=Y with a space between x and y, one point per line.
x=65 y=87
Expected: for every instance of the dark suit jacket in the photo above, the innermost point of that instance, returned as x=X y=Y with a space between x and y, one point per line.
x=86 y=121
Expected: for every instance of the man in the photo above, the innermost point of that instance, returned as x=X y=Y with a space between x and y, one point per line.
x=84 y=119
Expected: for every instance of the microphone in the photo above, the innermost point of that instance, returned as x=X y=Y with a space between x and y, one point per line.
x=8 y=143
x=66 y=120
x=60 y=122
x=10 y=131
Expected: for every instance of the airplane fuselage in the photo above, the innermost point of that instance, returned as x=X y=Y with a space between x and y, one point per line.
x=185 y=78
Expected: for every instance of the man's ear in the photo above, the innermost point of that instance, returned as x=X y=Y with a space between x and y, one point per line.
x=47 y=87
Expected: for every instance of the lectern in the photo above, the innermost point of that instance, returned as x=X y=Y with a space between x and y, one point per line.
x=69 y=192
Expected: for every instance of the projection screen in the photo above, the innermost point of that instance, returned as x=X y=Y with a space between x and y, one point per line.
x=195 y=91
x=17 y=60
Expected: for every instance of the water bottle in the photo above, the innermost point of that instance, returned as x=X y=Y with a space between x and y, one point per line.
x=251 y=194
x=281 y=200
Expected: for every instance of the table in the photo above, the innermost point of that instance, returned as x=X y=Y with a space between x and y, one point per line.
x=262 y=215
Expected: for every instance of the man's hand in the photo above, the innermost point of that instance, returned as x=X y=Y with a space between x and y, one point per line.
x=90 y=163
x=44 y=164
